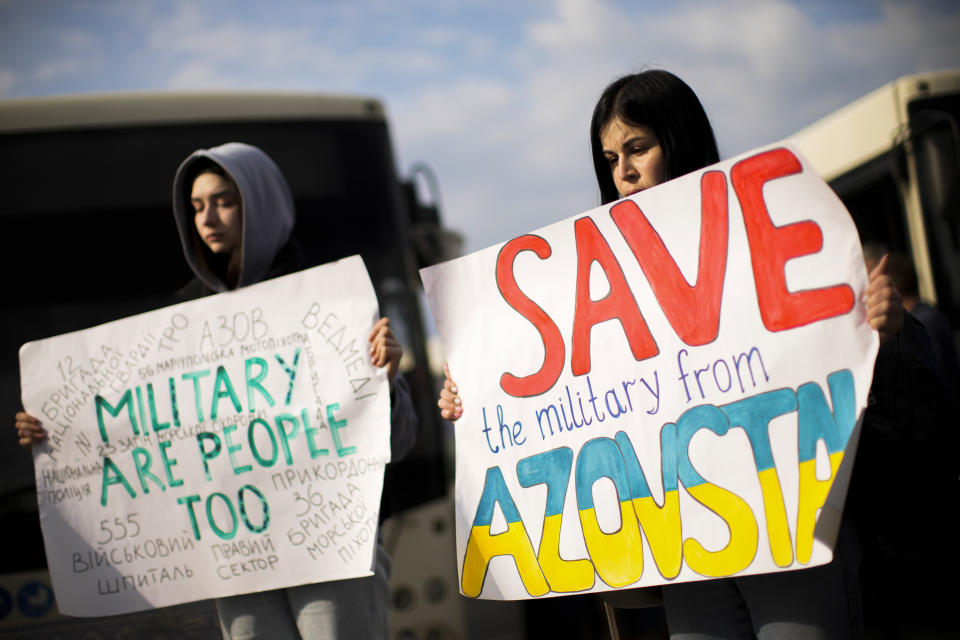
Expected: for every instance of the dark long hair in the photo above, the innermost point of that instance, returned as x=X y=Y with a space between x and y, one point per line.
x=665 y=103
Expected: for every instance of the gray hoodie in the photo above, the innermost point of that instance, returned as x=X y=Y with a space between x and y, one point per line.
x=268 y=213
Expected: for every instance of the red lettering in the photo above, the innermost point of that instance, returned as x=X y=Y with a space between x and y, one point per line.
x=772 y=246
x=618 y=304
x=554 y=352
x=693 y=311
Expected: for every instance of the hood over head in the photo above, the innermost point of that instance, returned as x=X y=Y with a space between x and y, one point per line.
x=268 y=213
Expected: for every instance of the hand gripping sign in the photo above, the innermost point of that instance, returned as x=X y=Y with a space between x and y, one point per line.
x=662 y=389
x=231 y=444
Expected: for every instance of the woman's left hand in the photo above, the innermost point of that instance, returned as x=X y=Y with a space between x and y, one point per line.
x=884 y=306
x=450 y=406
x=385 y=351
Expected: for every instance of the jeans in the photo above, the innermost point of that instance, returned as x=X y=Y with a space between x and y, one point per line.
x=808 y=604
x=340 y=610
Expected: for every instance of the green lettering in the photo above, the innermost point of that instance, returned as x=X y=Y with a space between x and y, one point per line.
x=157 y=426
x=142 y=461
x=285 y=437
x=291 y=371
x=253 y=382
x=173 y=403
x=264 y=462
x=223 y=388
x=143 y=416
x=195 y=377
x=101 y=403
x=311 y=432
x=223 y=534
x=208 y=454
x=112 y=475
x=335 y=426
x=265 y=508
x=188 y=501
x=232 y=450
x=168 y=464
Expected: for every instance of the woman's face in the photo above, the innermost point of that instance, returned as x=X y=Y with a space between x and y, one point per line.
x=635 y=156
x=218 y=213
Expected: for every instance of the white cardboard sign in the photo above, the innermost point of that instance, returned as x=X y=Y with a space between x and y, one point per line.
x=661 y=389
x=230 y=444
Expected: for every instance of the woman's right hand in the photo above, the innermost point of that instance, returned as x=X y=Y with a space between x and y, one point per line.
x=884 y=304
x=28 y=429
x=449 y=402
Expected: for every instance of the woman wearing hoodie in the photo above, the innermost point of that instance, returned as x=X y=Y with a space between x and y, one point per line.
x=235 y=215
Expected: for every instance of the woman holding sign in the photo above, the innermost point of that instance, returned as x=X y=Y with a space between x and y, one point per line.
x=235 y=215
x=646 y=129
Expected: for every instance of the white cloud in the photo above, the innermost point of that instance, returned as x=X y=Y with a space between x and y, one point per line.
x=58 y=68
x=7 y=80
x=503 y=120
x=473 y=44
x=294 y=56
x=763 y=69
x=466 y=107
x=406 y=60
x=77 y=39
x=190 y=33
x=201 y=75
x=908 y=35
x=504 y=168
x=577 y=24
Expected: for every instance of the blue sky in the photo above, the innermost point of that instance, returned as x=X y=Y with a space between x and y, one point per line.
x=495 y=95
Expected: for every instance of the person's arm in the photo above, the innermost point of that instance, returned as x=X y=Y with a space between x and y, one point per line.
x=403 y=419
x=385 y=351
x=907 y=429
x=907 y=397
x=29 y=429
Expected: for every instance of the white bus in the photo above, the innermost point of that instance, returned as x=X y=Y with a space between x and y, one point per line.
x=893 y=157
x=90 y=237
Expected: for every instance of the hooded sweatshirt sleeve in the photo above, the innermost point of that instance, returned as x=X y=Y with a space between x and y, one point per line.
x=403 y=419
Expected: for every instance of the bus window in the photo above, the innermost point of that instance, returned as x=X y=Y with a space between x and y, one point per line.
x=871 y=196
x=935 y=135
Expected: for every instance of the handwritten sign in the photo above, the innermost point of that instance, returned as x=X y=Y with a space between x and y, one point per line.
x=230 y=444
x=660 y=390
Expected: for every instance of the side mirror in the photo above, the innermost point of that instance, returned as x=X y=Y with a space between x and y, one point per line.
x=432 y=242
x=936 y=139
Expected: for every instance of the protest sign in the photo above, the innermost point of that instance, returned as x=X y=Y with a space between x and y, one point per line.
x=230 y=444
x=662 y=389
